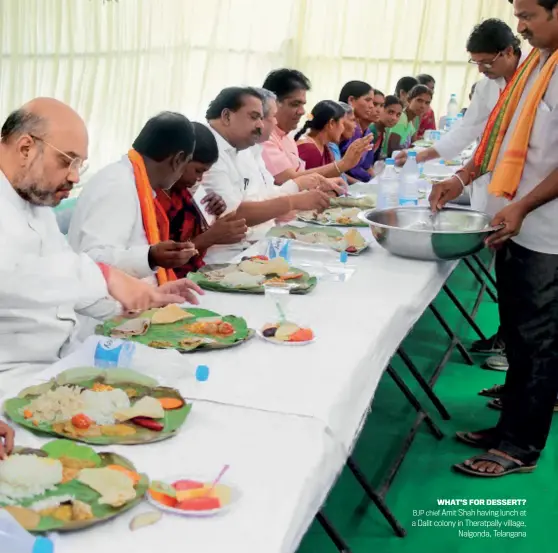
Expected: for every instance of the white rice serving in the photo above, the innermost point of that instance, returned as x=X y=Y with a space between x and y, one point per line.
x=25 y=476
x=101 y=406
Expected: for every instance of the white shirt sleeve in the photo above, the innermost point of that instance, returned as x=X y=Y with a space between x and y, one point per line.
x=221 y=180
x=262 y=183
x=105 y=217
x=51 y=280
x=472 y=125
x=288 y=187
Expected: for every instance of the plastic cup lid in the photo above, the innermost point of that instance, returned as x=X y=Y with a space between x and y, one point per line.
x=43 y=545
x=202 y=374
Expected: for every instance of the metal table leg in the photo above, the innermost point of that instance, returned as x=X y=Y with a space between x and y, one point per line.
x=375 y=497
x=485 y=270
x=424 y=384
x=462 y=350
x=464 y=312
x=481 y=280
x=412 y=399
x=332 y=533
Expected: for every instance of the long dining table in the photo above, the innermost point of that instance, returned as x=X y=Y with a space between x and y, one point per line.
x=284 y=418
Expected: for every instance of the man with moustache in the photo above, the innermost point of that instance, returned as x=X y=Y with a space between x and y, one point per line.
x=236 y=118
x=495 y=50
x=518 y=152
x=44 y=284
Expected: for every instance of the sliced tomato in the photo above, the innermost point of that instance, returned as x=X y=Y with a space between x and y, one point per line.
x=226 y=329
x=351 y=249
x=81 y=421
x=260 y=257
x=302 y=335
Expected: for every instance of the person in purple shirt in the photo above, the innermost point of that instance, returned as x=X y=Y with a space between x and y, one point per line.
x=360 y=96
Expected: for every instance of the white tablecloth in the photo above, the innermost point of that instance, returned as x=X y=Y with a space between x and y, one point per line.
x=291 y=413
x=359 y=325
x=283 y=465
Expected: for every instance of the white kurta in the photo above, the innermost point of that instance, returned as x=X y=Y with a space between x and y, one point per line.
x=107 y=222
x=43 y=283
x=485 y=98
x=230 y=177
x=240 y=176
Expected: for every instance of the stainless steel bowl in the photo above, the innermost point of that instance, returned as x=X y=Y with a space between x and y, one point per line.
x=416 y=233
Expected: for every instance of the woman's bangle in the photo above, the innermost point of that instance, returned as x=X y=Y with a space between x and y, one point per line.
x=337 y=167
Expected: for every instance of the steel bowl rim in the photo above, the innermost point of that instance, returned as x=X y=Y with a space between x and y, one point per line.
x=362 y=217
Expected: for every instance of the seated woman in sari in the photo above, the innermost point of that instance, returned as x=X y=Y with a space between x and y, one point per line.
x=349 y=125
x=361 y=97
x=428 y=120
x=186 y=222
x=401 y=136
x=393 y=107
x=324 y=125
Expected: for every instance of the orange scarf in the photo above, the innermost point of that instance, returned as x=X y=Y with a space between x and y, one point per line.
x=507 y=173
x=155 y=220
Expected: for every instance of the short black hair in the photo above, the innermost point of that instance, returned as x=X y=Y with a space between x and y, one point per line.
x=231 y=98
x=165 y=135
x=21 y=122
x=493 y=36
x=356 y=89
x=206 y=150
x=392 y=101
x=546 y=4
x=425 y=78
x=378 y=93
x=405 y=84
x=283 y=82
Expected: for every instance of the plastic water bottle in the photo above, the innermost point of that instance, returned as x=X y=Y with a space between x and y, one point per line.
x=15 y=539
x=111 y=352
x=408 y=181
x=451 y=114
x=389 y=186
x=453 y=107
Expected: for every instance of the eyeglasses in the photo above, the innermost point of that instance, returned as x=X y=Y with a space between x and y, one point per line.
x=76 y=163
x=488 y=65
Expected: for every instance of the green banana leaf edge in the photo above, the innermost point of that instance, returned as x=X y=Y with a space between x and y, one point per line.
x=82 y=492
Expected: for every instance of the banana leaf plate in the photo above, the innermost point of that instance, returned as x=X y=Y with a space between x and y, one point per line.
x=333 y=217
x=327 y=236
x=302 y=285
x=176 y=336
x=365 y=201
x=135 y=385
x=66 y=450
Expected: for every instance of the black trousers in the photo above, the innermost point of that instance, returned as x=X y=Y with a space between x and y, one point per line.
x=528 y=301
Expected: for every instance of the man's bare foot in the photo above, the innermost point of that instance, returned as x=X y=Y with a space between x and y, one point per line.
x=490 y=467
